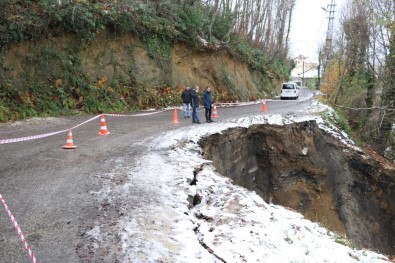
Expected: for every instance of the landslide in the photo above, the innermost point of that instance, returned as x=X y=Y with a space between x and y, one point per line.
x=303 y=167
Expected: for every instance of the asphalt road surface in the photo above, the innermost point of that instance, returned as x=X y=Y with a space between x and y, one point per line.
x=47 y=188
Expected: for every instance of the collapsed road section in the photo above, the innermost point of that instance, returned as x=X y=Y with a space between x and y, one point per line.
x=303 y=167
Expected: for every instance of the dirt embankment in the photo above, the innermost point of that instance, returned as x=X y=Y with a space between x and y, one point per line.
x=117 y=58
x=302 y=167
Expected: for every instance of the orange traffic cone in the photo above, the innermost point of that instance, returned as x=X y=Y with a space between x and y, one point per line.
x=69 y=142
x=103 y=126
x=215 y=114
x=264 y=106
x=175 y=116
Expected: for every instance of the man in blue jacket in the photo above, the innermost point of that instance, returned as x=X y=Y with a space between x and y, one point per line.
x=208 y=103
x=195 y=105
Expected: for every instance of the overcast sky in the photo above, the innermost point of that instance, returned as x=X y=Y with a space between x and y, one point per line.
x=309 y=26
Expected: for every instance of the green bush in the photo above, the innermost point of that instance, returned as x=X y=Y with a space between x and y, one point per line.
x=390 y=151
x=158 y=48
x=259 y=60
x=223 y=25
x=191 y=22
x=338 y=120
x=4 y=111
x=81 y=19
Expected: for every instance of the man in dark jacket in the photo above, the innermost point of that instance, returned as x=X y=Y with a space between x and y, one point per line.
x=195 y=105
x=208 y=103
x=186 y=101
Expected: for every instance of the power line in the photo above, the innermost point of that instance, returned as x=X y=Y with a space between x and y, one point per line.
x=329 y=33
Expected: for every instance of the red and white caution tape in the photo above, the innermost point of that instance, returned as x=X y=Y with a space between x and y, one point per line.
x=39 y=136
x=235 y=104
x=29 y=138
x=20 y=234
x=134 y=115
x=78 y=125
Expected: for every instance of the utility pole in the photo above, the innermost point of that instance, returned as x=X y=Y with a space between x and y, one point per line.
x=329 y=33
x=326 y=54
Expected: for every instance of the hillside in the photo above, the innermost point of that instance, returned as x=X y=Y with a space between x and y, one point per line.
x=117 y=73
x=110 y=56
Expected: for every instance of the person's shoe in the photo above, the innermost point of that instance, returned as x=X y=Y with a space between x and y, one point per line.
x=198 y=122
x=211 y=121
x=193 y=121
x=208 y=121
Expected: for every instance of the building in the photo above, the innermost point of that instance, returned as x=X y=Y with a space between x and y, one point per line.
x=305 y=72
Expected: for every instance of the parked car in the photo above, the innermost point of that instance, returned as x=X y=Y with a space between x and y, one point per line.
x=289 y=90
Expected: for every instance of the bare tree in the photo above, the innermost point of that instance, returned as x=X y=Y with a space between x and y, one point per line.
x=366 y=59
x=264 y=23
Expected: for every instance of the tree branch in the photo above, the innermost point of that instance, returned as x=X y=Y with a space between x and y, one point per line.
x=371 y=108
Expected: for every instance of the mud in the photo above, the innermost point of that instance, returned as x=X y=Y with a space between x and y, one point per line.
x=302 y=167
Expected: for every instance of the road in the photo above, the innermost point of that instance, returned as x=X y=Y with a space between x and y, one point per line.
x=48 y=189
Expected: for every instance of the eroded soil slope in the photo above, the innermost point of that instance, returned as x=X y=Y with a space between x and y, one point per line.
x=303 y=167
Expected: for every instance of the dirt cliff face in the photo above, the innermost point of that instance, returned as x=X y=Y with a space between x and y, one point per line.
x=302 y=167
x=216 y=69
x=125 y=58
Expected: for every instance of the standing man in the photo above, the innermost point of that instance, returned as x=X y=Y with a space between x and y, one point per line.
x=186 y=101
x=195 y=105
x=208 y=103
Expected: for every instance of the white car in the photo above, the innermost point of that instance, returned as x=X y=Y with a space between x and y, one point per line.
x=289 y=90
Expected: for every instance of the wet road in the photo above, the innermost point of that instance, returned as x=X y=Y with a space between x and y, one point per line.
x=48 y=188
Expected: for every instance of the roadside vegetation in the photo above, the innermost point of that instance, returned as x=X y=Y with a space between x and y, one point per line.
x=360 y=75
x=54 y=83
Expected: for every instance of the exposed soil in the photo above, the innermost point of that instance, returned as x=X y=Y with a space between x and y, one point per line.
x=303 y=167
x=112 y=57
